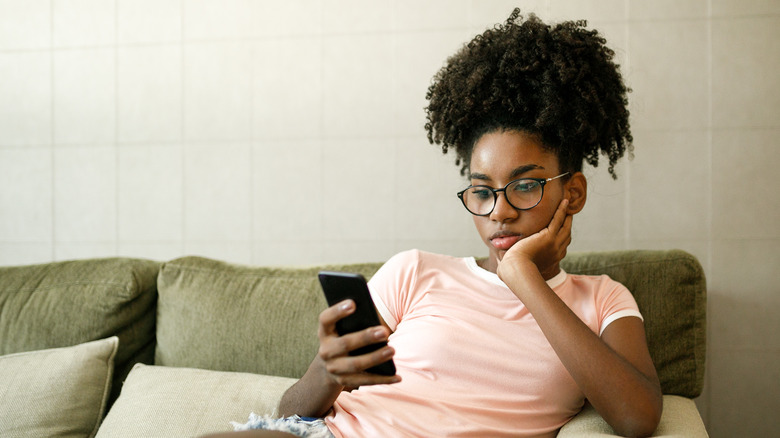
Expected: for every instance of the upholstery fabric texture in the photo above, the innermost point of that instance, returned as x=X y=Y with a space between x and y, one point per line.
x=186 y=402
x=59 y=392
x=67 y=303
x=264 y=320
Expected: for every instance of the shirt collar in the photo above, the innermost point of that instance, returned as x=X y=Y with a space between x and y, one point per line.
x=491 y=277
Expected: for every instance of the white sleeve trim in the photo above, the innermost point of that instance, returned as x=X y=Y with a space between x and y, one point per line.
x=383 y=311
x=617 y=315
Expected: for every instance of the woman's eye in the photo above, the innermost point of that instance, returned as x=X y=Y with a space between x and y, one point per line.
x=482 y=193
x=526 y=186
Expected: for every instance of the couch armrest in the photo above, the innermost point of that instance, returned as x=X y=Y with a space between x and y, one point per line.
x=680 y=418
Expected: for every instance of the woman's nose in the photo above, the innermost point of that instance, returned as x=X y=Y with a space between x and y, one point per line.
x=503 y=210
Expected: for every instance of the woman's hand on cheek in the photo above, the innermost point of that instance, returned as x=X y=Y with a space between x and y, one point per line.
x=544 y=249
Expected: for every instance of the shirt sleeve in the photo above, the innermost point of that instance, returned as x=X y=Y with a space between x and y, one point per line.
x=391 y=286
x=615 y=302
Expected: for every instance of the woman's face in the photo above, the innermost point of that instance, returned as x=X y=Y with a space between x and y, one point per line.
x=497 y=159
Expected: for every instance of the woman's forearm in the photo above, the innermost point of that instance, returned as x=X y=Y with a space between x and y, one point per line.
x=311 y=396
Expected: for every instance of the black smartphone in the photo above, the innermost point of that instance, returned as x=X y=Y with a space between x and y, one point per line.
x=339 y=286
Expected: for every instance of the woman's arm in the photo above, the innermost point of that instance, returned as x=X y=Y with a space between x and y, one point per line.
x=615 y=372
x=333 y=370
x=312 y=395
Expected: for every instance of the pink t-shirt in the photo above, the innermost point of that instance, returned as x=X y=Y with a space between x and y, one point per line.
x=473 y=360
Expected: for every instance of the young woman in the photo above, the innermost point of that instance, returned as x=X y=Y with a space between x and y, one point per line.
x=508 y=345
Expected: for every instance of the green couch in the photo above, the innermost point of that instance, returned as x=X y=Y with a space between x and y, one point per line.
x=120 y=347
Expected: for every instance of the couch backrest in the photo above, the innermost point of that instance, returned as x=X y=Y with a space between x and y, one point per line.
x=228 y=317
x=68 y=303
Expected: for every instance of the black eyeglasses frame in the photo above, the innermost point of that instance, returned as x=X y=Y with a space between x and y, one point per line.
x=542 y=182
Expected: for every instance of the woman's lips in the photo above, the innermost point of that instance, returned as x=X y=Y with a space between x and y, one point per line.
x=504 y=241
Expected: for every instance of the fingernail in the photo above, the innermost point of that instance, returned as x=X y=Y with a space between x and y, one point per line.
x=379 y=333
x=346 y=305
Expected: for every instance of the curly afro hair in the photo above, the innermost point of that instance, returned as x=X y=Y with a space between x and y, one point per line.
x=557 y=82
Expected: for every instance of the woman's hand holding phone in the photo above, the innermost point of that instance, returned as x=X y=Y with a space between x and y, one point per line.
x=334 y=353
x=353 y=340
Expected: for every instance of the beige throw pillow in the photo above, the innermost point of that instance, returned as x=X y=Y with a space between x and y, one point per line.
x=164 y=401
x=59 y=392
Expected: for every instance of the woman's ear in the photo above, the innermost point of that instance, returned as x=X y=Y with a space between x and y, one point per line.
x=576 y=191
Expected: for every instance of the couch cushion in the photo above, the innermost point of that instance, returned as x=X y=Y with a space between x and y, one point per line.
x=184 y=402
x=680 y=418
x=56 y=392
x=670 y=289
x=67 y=303
x=221 y=316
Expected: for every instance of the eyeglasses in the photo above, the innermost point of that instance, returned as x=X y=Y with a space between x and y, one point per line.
x=522 y=194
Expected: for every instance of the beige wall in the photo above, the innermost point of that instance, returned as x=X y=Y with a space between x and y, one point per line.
x=159 y=128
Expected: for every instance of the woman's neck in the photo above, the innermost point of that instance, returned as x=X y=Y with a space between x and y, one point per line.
x=491 y=264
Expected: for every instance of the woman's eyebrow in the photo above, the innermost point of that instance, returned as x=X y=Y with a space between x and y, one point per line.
x=480 y=176
x=512 y=175
x=523 y=169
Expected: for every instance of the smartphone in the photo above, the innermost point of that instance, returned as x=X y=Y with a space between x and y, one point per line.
x=339 y=286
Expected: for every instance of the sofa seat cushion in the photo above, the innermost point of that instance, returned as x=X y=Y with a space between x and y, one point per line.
x=60 y=392
x=186 y=402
